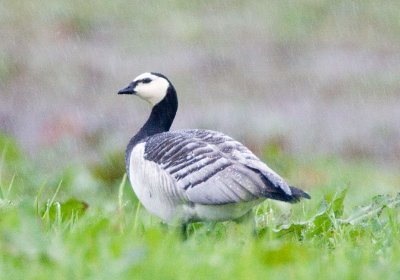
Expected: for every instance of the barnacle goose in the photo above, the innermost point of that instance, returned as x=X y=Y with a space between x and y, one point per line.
x=194 y=175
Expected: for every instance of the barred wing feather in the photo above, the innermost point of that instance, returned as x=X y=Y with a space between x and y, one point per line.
x=213 y=168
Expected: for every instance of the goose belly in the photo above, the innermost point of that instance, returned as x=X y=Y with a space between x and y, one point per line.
x=231 y=211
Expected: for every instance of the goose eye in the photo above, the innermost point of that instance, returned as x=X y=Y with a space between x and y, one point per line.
x=146 y=81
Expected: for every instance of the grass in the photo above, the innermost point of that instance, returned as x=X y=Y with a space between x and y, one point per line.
x=49 y=231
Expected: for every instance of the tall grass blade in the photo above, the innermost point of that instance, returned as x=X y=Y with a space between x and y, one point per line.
x=50 y=203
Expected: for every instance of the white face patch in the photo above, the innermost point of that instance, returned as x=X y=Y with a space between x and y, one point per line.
x=153 y=91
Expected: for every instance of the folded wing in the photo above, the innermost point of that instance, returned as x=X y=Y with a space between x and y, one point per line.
x=212 y=168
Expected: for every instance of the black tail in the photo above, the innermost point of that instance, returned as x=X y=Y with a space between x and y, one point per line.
x=296 y=196
x=274 y=191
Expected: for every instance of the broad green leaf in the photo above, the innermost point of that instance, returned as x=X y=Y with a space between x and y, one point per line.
x=64 y=211
x=373 y=209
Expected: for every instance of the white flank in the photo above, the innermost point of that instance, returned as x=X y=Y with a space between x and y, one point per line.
x=152 y=185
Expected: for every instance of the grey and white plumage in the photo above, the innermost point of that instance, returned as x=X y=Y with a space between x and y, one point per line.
x=190 y=175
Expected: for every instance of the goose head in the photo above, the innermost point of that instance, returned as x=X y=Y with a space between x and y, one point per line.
x=150 y=86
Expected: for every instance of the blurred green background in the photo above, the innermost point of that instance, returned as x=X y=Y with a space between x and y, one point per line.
x=316 y=76
x=304 y=84
x=312 y=87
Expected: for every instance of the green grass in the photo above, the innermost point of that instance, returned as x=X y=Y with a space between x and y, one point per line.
x=48 y=230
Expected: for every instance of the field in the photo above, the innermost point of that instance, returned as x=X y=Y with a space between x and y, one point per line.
x=310 y=86
x=343 y=232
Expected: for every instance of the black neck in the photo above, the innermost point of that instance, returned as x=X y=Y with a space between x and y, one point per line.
x=160 y=119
